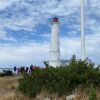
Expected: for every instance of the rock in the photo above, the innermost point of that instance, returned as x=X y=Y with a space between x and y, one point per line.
x=47 y=99
x=70 y=97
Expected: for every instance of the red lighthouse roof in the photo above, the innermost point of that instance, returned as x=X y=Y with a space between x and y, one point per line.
x=55 y=19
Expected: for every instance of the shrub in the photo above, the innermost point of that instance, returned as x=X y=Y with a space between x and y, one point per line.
x=61 y=80
x=92 y=93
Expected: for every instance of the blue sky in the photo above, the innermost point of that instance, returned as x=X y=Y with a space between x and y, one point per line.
x=25 y=27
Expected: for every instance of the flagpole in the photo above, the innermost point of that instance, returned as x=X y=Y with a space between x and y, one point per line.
x=82 y=32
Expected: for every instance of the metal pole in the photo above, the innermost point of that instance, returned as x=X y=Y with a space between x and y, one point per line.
x=82 y=31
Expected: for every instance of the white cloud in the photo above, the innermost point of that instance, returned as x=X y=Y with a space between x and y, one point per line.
x=6 y=3
x=5 y=36
x=27 y=15
x=29 y=53
x=35 y=13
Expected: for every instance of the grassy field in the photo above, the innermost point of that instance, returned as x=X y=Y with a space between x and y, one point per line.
x=8 y=91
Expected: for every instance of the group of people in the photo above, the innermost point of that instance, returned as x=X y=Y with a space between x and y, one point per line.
x=23 y=69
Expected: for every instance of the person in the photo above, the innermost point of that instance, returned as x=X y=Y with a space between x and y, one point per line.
x=31 y=68
x=22 y=69
x=27 y=69
x=15 y=70
x=18 y=71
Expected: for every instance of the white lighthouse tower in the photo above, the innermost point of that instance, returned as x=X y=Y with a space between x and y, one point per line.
x=54 y=57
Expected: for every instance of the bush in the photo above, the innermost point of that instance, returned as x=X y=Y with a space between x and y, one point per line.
x=92 y=93
x=61 y=80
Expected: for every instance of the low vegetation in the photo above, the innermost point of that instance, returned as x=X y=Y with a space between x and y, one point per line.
x=62 y=80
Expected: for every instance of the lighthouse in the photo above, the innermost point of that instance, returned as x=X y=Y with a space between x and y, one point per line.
x=54 y=57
